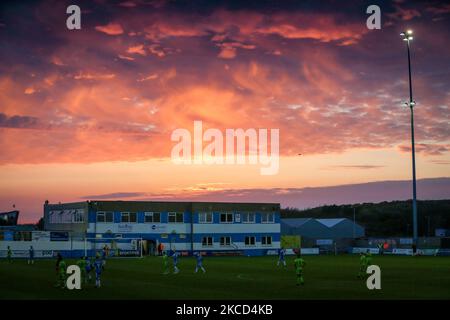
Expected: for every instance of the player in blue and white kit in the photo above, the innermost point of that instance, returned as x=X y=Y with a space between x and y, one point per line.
x=98 y=265
x=175 y=261
x=105 y=252
x=31 y=255
x=199 y=265
x=281 y=254
x=88 y=268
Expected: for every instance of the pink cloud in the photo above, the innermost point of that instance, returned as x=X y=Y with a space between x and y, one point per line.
x=290 y=60
x=427 y=149
x=125 y=57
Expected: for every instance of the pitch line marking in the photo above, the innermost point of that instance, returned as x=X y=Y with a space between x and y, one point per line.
x=240 y=276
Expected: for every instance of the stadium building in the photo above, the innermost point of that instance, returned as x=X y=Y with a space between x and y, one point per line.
x=336 y=228
x=211 y=227
x=328 y=235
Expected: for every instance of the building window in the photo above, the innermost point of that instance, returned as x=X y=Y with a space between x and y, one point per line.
x=128 y=217
x=104 y=216
x=248 y=217
x=151 y=217
x=250 y=241
x=267 y=218
x=266 y=240
x=205 y=217
x=225 y=241
x=207 y=241
x=66 y=216
x=226 y=217
x=175 y=217
x=78 y=216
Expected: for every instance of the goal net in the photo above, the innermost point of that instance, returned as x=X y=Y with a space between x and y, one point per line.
x=114 y=247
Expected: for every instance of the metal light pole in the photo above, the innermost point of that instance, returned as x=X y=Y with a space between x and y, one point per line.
x=407 y=36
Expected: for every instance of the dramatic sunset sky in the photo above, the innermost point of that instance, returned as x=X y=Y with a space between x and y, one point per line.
x=88 y=114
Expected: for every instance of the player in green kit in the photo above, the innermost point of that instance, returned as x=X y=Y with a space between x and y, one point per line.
x=81 y=263
x=362 y=265
x=368 y=258
x=61 y=270
x=299 y=264
x=165 y=263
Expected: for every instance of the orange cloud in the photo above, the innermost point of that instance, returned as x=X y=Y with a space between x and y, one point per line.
x=90 y=76
x=137 y=49
x=112 y=29
x=29 y=90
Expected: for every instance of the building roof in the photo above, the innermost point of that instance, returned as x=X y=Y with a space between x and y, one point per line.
x=118 y=205
x=295 y=222
x=9 y=218
x=330 y=222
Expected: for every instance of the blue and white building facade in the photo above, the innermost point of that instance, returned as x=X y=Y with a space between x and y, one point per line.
x=211 y=227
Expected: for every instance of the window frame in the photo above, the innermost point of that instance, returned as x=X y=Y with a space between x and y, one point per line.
x=266 y=214
x=227 y=214
x=266 y=242
x=246 y=214
x=152 y=215
x=128 y=213
x=206 y=243
x=224 y=243
x=205 y=214
x=250 y=244
x=174 y=213
x=105 y=215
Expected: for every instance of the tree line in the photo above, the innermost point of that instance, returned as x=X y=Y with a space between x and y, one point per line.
x=387 y=219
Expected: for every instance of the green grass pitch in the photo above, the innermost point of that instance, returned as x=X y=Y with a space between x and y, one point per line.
x=326 y=277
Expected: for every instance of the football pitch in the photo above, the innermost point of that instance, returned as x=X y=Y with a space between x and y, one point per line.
x=326 y=277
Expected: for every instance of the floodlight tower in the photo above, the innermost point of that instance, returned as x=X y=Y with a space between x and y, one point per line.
x=407 y=37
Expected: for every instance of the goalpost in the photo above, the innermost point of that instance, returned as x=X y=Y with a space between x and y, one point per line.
x=116 y=247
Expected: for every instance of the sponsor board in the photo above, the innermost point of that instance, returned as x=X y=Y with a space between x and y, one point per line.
x=408 y=241
x=409 y=252
x=401 y=251
x=303 y=251
x=324 y=242
x=159 y=228
x=364 y=250
x=26 y=254
x=290 y=242
x=124 y=227
x=59 y=236
x=226 y=253
x=40 y=235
